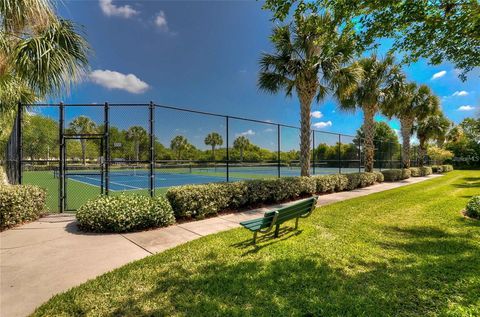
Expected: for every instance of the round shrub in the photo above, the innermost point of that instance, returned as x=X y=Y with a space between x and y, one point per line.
x=330 y=183
x=124 y=213
x=437 y=169
x=20 y=203
x=473 y=207
x=426 y=170
x=394 y=175
x=379 y=176
x=447 y=168
x=415 y=171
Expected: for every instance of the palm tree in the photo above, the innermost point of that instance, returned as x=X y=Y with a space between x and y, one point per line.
x=178 y=145
x=241 y=143
x=380 y=76
x=82 y=125
x=136 y=134
x=433 y=127
x=213 y=139
x=40 y=54
x=310 y=58
x=410 y=104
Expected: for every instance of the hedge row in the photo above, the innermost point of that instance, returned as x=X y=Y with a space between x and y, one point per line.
x=124 y=213
x=394 y=175
x=20 y=203
x=198 y=201
x=420 y=171
x=438 y=169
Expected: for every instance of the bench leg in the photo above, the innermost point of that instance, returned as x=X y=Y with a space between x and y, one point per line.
x=255 y=237
x=296 y=224
x=277 y=228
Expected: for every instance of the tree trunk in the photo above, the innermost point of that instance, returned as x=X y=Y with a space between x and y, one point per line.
x=421 y=152
x=241 y=154
x=406 y=130
x=137 y=150
x=306 y=95
x=213 y=152
x=84 y=151
x=369 y=130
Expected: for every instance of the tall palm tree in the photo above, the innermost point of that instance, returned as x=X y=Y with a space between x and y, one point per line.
x=82 y=125
x=179 y=144
x=410 y=104
x=310 y=58
x=433 y=127
x=136 y=134
x=380 y=76
x=241 y=143
x=213 y=139
x=40 y=54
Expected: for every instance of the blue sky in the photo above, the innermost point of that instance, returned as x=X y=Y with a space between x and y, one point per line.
x=204 y=55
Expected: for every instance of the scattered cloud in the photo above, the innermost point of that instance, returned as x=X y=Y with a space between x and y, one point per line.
x=161 y=21
x=460 y=93
x=268 y=130
x=440 y=74
x=245 y=133
x=115 y=80
x=316 y=114
x=322 y=124
x=109 y=9
x=466 y=108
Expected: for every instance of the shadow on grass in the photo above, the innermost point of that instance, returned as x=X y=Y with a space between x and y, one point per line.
x=469 y=182
x=428 y=272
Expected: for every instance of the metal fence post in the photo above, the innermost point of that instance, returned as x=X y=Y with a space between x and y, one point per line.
x=152 y=149
x=228 y=154
x=106 y=125
x=380 y=154
x=19 y=142
x=313 y=151
x=62 y=158
x=359 y=155
x=279 y=173
x=339 y=154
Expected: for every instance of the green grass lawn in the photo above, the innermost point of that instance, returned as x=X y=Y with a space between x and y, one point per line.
x=403 y=252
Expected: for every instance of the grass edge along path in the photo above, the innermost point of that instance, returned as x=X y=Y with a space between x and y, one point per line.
x=402 y=252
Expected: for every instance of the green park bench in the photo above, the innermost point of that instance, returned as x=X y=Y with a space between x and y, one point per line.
x=275 y=218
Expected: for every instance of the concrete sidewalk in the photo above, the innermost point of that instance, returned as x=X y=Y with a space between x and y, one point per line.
x=49 y=256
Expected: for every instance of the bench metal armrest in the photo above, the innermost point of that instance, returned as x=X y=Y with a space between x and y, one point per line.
x=311 y=210
x=274 y=220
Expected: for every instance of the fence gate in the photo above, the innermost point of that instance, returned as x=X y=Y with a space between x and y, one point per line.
x=84 y=165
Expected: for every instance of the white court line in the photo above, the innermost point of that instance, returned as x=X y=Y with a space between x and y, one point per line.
x=96 y=180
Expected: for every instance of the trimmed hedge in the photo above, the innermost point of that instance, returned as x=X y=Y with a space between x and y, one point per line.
x=473 y=207
x=415 y=172
x=3 y=177
x=20 y=203
x=198 y=201
x=393 y=175
x=380 y=177
x=437 y=169
x=331 y=183
x=426 y=170
x=447 y=168
x=124 y=213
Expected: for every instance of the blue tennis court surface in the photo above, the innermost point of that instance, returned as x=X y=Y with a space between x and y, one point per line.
x=139 y=180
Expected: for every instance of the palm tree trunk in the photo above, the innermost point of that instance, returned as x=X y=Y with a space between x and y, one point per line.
x=406 y=130
x=84 y=151
x=213 y=152
x=137 y=150
x=369 y=129
x=421 y=152
x=306 y=97
x=241 y=154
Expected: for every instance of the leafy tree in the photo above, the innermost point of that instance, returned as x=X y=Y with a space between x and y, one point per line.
x=435 y=30
x=310 y=57
x=137 y=135
x=464 y=141
x=380 y=76
x=410 y=104
x=439 y=155
x=213 y=139
x=433 y=127
x=241 y=143
x=40 y=54
x=40 y=137
x=179 y=144
x=82 y=125
x=385 y=140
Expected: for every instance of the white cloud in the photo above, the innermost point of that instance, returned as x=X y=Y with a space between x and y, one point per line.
x=268 y=130
x=322 y=124
x=110 y=9
x=161 y=21
x=316 y=114
x=460 y=93
x=466 y=108
x=440 y=74
x=245 y=133
x=115 y=80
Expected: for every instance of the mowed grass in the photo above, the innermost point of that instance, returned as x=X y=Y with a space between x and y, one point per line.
x=403 y=252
